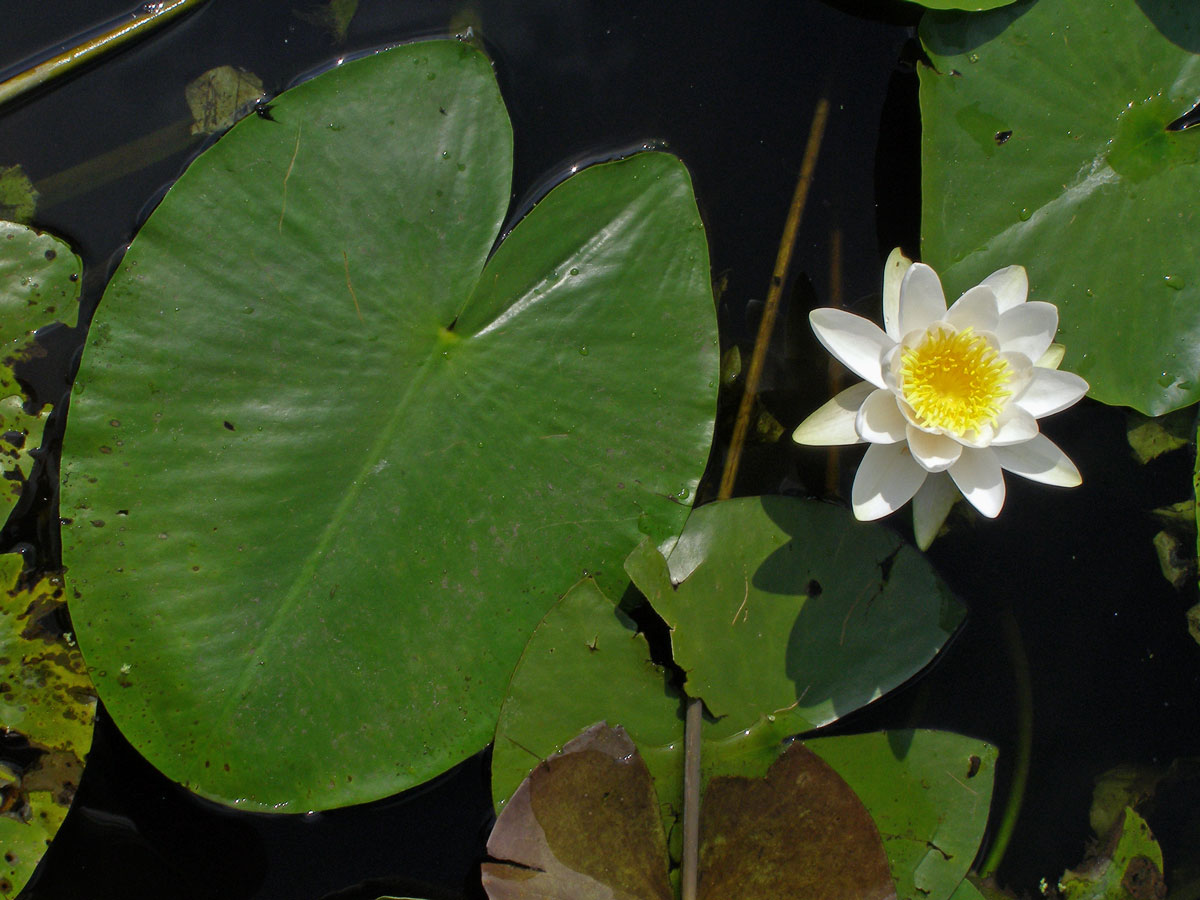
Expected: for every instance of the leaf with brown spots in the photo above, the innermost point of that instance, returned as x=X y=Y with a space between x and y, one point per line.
x=39 y=282
x=46 y=698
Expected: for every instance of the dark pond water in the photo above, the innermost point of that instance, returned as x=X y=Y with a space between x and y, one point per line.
x=730 y=88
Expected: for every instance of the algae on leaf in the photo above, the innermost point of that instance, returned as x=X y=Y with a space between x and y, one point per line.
x=46 y=707
x=347 y=456
x=39 y=283
x=1128 y=865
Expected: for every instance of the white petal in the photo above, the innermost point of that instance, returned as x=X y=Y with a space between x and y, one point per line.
x=1040 y=460
x=1050 y=391
x=930 y=506
x=1020 y=373
x=1011 y=286
x=892 y=360
x=978 y=438
x=893 y=273
x=1015 y=427
x=979 y=476
x=879 y=420
x=975 y=309
x=933 y=452
x=833 y=423
x=1052 y=358
x=921 y=299
x=886 y=479
x=856 y=342
x=1028 y=328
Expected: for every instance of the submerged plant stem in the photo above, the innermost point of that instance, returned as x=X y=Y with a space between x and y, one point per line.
x=107 y=41
x=695 y=707
x=778 y=278
x=689 y=875
x=98 y=171
x=1020 y=777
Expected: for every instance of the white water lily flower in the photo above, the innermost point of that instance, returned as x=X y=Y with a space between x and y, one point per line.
x=951 y=396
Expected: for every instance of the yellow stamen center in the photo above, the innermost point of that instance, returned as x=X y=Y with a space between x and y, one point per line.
x=954 y=381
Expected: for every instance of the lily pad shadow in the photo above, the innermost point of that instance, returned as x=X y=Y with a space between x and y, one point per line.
x=874 y=612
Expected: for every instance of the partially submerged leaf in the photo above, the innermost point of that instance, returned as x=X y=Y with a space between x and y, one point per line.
x=221 y=96
x=800 y=832
x=332 y=15
x=1122 y=786
x=18 y=199
x=1176 y=558
x=47 y=705
x=1127 y=867
x=39 y=283
x=583 y=826
x=1152 y=436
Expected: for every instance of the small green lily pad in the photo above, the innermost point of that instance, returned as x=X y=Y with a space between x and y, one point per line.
x=791 y=608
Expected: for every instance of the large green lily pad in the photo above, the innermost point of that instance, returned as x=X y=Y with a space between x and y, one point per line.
x=330 y=459
x=39 y=284
x=46 y=708
x=1045 y=142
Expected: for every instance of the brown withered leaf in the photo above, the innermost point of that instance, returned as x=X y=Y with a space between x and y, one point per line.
x=800 y=832
x=584 y=825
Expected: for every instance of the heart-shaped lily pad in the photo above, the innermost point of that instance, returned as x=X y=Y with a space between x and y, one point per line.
x=1051 y=138
x=789 y=607
x=331 y=458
